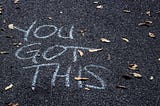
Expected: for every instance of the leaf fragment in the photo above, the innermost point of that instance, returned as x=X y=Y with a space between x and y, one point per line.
x=105 y=40
x=9 y=87
x=80 y=53
x=99 y=6
x=125 y=39
x=136 y=75
x=16 y=1
x=4 y=52
x=152 y=35
x=11 y=26
x=148 y=13
x=133 y=66
x=50 y=18
x=121 y=86
x=146 y=23
x=95 y=50
x=96 y=2
x=87 y=89
x=13 y=104
x=1 y=9
x=151 y=78
x=126 y=11
x=81 y=78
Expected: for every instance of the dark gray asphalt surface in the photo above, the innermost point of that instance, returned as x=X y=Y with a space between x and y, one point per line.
x=108 y=22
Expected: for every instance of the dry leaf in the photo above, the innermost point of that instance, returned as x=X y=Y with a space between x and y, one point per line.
x=121 y=86
x=87 y=89
x=137 y=75
x=105 y=40
x=1 y=10
x=80 y=53
x=99 y=6
x=148 y=13
x=9 y=87
x=80 y=78
x=82 y=31
x=50 y=18
x=133 y=66
x=126 y=11
x=125 y=39
x=11 y=26
x=16 y=1
x=109 y=57
x=146 y=23
x=17 y=44
x=151 y=78
x=12 y=104
x=152 y=35
x=96 y=2
x=4 y=52
x=94 y=50
x=4 y=21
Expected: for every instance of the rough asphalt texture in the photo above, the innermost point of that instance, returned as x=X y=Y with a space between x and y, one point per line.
x=108 y=22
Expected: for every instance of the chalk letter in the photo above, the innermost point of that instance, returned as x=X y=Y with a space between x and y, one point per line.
x=67 y=83
x=26 y=32
x=70 y=33
x=95 y=76
x=52 y=47
x=43 y=26
x=80 y=75
x=31 y=51
x=37 y=71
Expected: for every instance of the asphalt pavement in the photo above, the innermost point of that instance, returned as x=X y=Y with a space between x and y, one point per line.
x=80 y=53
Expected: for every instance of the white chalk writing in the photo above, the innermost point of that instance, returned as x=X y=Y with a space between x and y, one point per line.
x=66 y=76
x=33 y=51
x=54 y=28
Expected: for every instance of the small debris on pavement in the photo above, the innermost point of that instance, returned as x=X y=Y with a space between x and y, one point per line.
x=96 y=2
x=1 y=9
x=152 y=35
x=146 y=23
x=95 y=50
x=11 y=26
x=12 y=104
x=87 y=89
x=4 y=52
x=151 y=78
x=148 y=13
x=16 y=1
x=4 y=21
x=80 y=53
x=136 y=75
x=133 y=66
x=126 y=11
x=99 y=6
x=105 y=40
x=80 y=78
x=17 y=44
x=125 y=39
x=50 y=18
x=109 y=57
x=121 y=86
x=9 y=87
x=82 y=31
